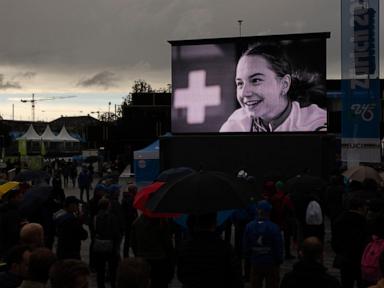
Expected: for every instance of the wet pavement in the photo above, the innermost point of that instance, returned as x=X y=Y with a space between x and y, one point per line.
x=286 y=266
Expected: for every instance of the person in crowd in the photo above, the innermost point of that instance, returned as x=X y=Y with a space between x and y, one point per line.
x=66 y=172
x=133 y=273
x=268 y=91
x=69 y=273
x=69 y=229
x=92 y=210
x=106 y=243
x=56 y=180
x=53 y=204
x=380 y=283
x=113 y=194
x=73 y=173
x=263 y=245
x=130 y=214
x=84 y=181
x=17 y=261
x=206 y=260
x=32 y=234
x=334 y=197
x=282 y=214
x=151 y=239
x=40 y=262
x=11 y=220
x=349 y=238
x=309 y=270
x=313 y=224
x=240 y=219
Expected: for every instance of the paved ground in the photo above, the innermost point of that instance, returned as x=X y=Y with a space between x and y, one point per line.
x=287 y=265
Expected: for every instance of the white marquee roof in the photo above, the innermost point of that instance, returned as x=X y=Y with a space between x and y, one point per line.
x=48 y=135
x=31 y=134
x=64 y=136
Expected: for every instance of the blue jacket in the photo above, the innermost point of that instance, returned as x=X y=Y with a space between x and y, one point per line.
x=263 y=243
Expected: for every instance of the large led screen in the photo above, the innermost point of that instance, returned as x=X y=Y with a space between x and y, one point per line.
x=250 y=84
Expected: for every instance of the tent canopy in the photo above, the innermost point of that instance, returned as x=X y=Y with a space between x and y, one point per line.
x=30 y=135
x=146 y=163
x=48 y=135
x=64 y=136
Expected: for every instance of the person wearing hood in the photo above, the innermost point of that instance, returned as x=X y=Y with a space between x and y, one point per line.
x=309 y=270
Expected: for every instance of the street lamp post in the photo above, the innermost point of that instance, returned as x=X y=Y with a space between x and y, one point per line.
x=240 y=22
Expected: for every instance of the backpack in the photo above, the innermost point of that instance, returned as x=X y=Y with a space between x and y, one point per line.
x=370 y=270
x=313 y=214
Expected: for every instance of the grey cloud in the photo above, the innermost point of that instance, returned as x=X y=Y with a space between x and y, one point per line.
x=105 y=79
x=4 y=85
x=25 y=75
x=78 y=36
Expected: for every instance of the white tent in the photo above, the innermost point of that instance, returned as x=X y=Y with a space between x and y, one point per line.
x=30 y=135
x=48 y=135
x=64 y=136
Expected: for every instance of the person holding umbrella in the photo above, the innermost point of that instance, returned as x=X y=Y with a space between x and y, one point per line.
x=151 y=239
x=206 y=260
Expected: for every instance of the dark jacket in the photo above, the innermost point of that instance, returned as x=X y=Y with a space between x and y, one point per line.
x=84 y=179
x=349 y=236
x=70 y=233
x=107 y=228
x=10 y=225
x=151 y=239
x=309 y=274
x=9 y=280
x=263 y=243
x=205 y=260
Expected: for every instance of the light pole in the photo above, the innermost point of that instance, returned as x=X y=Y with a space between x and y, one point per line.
x=240 y=22
x=109 y=111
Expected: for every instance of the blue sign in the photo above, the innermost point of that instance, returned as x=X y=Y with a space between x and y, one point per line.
x=361 y=112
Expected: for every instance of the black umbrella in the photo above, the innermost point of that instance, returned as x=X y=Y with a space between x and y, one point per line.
x=35 y=198
x=304 y=183
x=201 y=192
x=31 y=175
x=173 y=174
x=304 y=188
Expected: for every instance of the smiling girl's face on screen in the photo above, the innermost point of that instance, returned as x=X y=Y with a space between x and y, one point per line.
x=259 y=90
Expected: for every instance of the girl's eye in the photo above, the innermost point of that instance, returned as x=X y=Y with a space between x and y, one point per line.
x=255 y=80
x=239 y=84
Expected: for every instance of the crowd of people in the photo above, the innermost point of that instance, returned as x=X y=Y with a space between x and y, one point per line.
x=128 y=248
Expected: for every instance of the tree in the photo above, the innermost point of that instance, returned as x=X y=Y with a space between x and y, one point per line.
x=167 y=89
x=141 y=86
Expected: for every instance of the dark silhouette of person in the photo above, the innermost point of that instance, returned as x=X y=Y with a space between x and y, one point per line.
x=309 y=270
x=206 y=260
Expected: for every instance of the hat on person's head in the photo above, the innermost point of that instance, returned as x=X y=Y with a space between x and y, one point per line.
x=101 y=187
x=71 y=200
x=114 y=188
x=279 y=185
x=264 y=205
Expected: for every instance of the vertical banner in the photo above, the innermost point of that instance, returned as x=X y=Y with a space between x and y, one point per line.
x=22 y=147
x=360 y=83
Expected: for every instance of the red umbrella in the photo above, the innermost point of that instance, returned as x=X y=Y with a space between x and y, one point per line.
x=142 y=197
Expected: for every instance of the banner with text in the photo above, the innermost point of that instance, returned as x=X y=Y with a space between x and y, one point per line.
x=360 y=85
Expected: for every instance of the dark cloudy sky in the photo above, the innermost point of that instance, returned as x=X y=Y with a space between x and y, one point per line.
x=92 y=46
